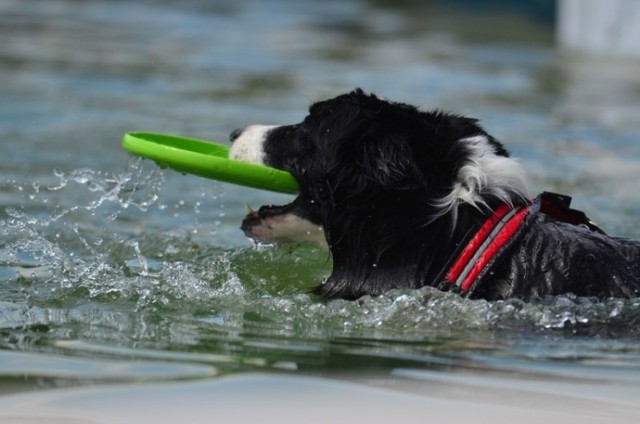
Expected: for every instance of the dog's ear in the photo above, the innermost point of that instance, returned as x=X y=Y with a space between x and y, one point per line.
x=388 y=162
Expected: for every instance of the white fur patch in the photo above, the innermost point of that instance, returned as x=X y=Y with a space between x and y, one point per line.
x=485 y=174
x=249 y=146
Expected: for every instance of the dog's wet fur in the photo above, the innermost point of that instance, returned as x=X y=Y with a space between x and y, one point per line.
x=392 y=191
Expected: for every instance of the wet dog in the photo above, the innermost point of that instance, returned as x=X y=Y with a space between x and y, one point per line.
x=405 y=199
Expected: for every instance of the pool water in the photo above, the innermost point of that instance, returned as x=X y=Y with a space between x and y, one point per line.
x=113 y=270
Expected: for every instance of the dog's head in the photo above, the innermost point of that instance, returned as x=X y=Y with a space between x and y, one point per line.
x=381 y=182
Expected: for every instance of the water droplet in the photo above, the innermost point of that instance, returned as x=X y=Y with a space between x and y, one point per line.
x=14 y=213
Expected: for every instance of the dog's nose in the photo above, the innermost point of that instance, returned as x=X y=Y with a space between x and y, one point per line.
x=235 y=134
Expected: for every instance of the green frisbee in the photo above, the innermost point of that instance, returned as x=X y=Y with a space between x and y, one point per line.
x=206 y=159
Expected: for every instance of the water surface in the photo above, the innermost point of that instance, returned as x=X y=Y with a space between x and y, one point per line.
x=115 y=271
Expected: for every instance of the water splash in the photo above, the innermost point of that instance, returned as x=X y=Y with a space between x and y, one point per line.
x=45 y=237
x=134 y=188
x=83 y=266
x=419 y=313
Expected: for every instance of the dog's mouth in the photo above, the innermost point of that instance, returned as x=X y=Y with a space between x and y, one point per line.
x=271 y=224
x=280 y=224
x=262 y=217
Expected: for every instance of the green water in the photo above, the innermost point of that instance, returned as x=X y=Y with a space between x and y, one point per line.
x=112 y=270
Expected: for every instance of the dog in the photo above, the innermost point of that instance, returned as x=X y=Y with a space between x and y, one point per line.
x=404 y=198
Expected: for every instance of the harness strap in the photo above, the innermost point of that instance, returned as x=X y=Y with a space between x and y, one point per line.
x=485 y=244
x=557 y=206
x=495 y=233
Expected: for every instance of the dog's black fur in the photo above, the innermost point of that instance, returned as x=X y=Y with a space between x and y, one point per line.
x=396 y=191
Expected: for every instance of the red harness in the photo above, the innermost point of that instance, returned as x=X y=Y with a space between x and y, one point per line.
x=492 y=237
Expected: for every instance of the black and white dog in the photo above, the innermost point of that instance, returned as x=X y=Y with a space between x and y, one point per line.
x=406 y=199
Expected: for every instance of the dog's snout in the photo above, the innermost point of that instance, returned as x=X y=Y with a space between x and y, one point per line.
x=235 y=134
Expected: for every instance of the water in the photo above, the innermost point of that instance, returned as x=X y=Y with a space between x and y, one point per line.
x=115 y=271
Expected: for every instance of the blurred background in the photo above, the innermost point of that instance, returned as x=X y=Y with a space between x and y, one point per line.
x=76 y=75
x=107 y=260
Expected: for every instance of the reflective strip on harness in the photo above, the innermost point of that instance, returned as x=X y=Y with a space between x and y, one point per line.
x=489 y=239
